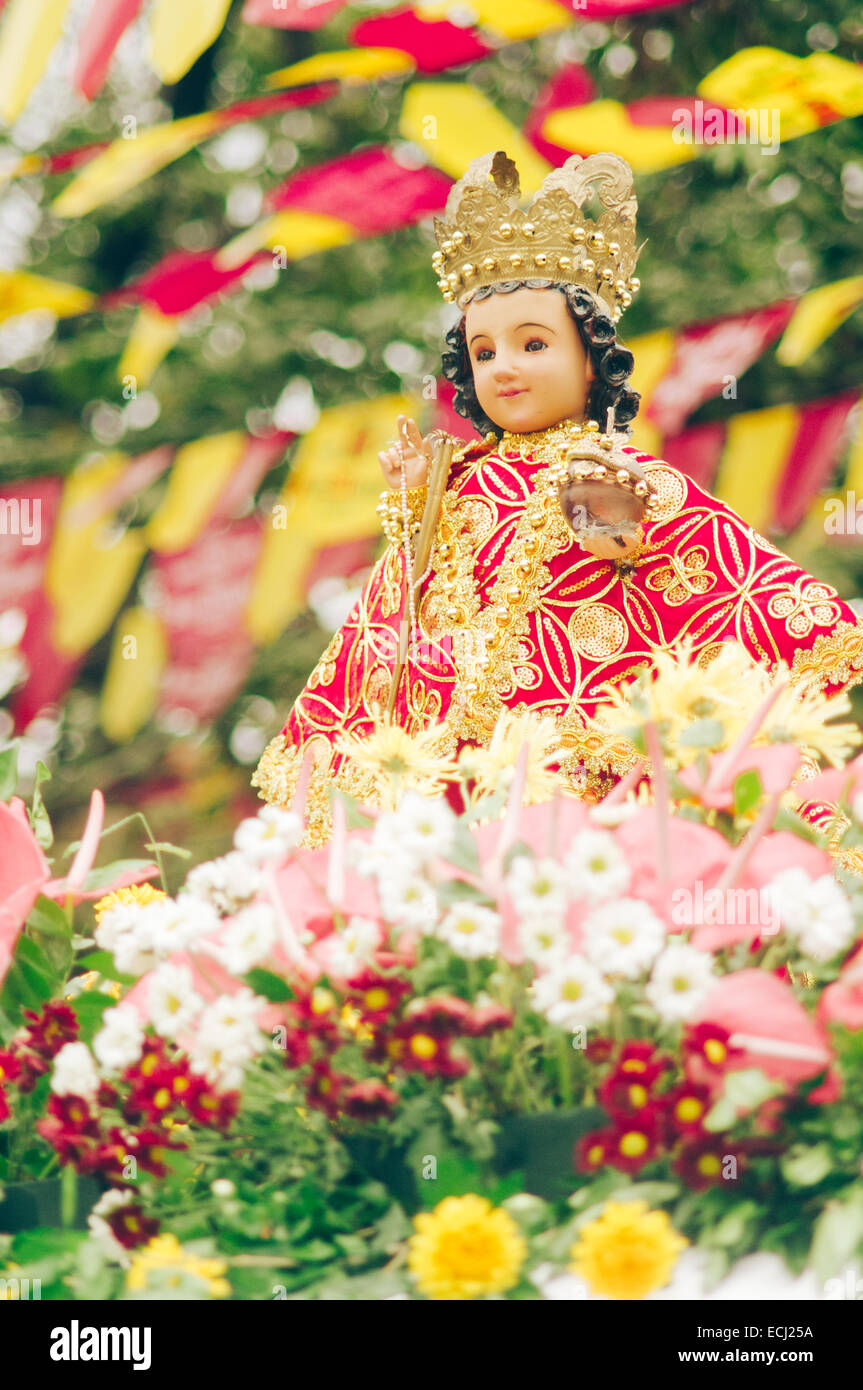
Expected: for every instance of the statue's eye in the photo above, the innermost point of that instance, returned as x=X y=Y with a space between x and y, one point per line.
x=535 y=342
x=479 y=356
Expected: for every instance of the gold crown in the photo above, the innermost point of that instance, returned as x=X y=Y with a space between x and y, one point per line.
x=485 y=236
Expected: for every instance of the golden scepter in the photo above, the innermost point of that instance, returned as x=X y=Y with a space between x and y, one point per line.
x=438 y=475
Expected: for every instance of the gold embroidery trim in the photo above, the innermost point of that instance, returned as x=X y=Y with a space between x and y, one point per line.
x=834 y=657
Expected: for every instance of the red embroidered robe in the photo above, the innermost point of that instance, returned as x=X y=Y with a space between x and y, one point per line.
x=504 y=558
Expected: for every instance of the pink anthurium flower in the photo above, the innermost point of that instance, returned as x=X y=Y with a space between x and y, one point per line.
x=768 y=1024
x=775 y=765
x=25 y=873
x=842 y=1002
x=696 y=855
x=835 y=783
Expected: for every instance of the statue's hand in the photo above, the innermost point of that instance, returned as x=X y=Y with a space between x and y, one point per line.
x=415 y=451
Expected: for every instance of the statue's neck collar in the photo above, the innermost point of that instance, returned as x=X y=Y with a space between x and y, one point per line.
x=554 y=435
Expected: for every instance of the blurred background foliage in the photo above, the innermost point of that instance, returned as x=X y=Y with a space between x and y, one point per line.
x=730 y=231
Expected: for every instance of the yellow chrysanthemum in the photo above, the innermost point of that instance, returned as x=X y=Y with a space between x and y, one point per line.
x=465 y=1248
x=800 y=717
x=397 y=761
x=165 y=1255
x=628 y=1251
x=494 y=767
x=140 y=893
x=681 y=688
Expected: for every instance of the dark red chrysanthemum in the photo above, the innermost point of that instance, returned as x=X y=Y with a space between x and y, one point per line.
x=375 y=996
x=324 y=1088
x=591 y=1151
x=706 y=1160
x=442 y=1015
x=215 y=1109
x=489 y=1018
x=47 y=1032
x=634 y=1142
x=685 y=1107
x=368 y=1100
x=642 y=1062
x=130 y=1226
x=148 y=1147
x=711 y=1044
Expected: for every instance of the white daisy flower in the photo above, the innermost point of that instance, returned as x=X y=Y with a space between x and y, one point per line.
x=816 y=912
x=596 y=866
x=352 y=947
x=173 y=1002
x=471 y=930
x=101 y=1232
x=538 y=887
x=248 y=940
x=544 y=940
x=270 y=835
x=119 y=1041
x=425 y=827
x=623 y=937
x=573 y=994
x=176 y=925
x=232 y=1021
x=75 y=1072
x=680 y=981
x=408 y=902
x=209 y=1058
x=228 y=883
x=117 y=921
x=131 y=937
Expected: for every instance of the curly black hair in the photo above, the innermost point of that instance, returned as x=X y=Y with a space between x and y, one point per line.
x=612 y=364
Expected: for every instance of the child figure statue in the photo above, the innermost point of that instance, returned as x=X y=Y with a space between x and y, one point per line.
x=561 y=558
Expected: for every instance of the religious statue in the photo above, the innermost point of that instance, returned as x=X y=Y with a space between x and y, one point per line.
x=528 y=569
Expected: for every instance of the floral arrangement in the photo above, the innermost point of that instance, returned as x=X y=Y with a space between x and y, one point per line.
x=537 y=1048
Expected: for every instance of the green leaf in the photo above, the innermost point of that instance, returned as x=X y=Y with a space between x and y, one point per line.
x=748 y=791
x=9 y=770
x=104 y=877
x=805 y=1165
x=165 y=847
x=270 y=985
x=89 y=1007
x=39 y=819
x=702 y=733
x=49 y=919
x=30 y=981
x=103 y=961
x=838 y=1236
x=454 y=890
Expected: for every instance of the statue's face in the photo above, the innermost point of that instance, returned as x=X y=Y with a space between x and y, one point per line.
x=527 y=342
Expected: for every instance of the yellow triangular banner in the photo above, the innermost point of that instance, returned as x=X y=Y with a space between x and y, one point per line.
x=329 y=496
x=605 y=125
x=139 y=655
x=89 y=567
x=179 y=33
x=20 y=292
x=152 y=337
x=28 y=33
x=350 y=65
x=294 y=232
x=454 y=123
x=198 y=478
x=653 y=354
x=757 y=445
x=127 y=162
x=819 y=313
